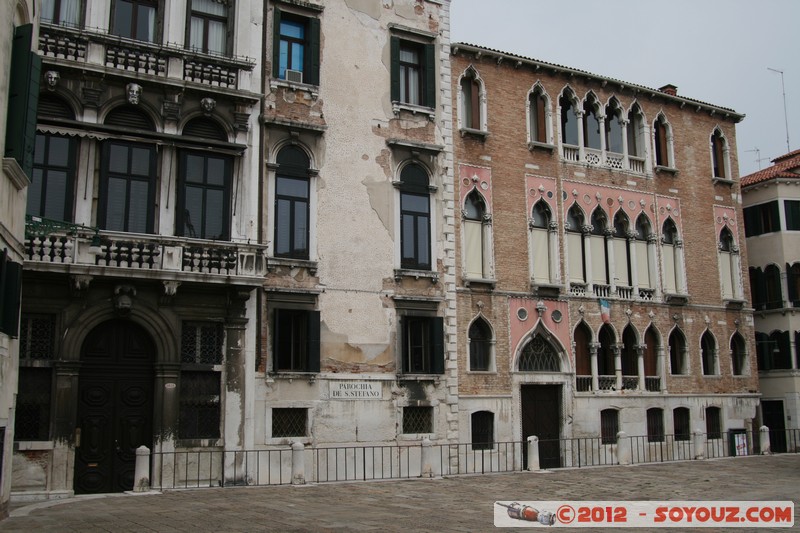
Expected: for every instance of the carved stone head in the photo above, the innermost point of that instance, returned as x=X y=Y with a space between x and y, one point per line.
x=133 y=92
x=51 y=77
x=208 y=104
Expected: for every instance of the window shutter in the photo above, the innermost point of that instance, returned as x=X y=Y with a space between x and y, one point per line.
x=661 y=145
x=23 y=97
x=276 y=42
x=719 y=164
x=312 y=72
x=791 y=284
x=541 y=131
x=430 y=78
x=774 y=217
x=394 y=45
x=437 y=345
x=11 y=292
x=313 y=341
x=276 y=339
x=476 y=105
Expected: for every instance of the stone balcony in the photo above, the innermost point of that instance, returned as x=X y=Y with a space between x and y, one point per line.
x=95 y=48
x=83 y=251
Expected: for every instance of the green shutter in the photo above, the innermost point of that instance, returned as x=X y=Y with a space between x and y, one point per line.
x=312 y=57
x=775 y=216
x=276 y=41
x=23 y=99
x=313 y=342
x=430 y=76
x=437 y=345
x=395 y=67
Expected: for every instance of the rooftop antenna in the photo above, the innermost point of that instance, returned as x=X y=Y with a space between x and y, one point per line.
x=785 y=116
x=759 y=159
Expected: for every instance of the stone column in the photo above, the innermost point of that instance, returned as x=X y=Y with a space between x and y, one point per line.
x=615 y=349
x=680 y=268
x=581 y=150
x=640 y=366
x=555 y=271
x=593 y=348
x=586 y=234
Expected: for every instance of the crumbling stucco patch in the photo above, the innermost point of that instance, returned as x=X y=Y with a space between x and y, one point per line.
x=370 y=8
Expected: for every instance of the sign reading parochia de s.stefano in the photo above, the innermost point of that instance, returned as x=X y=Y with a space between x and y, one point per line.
x=356 y=390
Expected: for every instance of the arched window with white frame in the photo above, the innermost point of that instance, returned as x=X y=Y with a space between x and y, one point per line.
x=592 y=130
x=542 y=243
x=415 y=218
x=636 y=143
x=471 y=101
x=570 y=125
x=622 y=252
x=477 y=237
x=539 y=116
x=662 y=137
x=481 y=346
x=672 y=258
x=708 y=354
x=615 y=137
x=728 y=255
x=720 y=161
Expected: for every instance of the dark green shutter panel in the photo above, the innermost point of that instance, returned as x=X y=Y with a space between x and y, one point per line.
x=276 y=42
x=437 y=345
x=430 y=75
x=313 y=341
x=395 y=67
x=11 y=292
x=775 y=216
x=749 y=230
x=312 y=71
x=23 y=98
x=276 y=339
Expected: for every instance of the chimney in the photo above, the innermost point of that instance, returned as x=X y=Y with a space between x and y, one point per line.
x=669 y=89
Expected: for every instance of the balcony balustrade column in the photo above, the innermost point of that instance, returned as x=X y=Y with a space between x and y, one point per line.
x=617 y=351
x=593 y=349
x=640 y=348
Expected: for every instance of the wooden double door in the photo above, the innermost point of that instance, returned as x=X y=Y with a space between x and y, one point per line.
x=541 y=416
x=115 y=406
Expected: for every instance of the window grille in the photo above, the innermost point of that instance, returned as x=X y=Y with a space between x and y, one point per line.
x=655 y=425
x=289 y=422
x=538 y=356
x=33 y=404
x=201 y=343
x=199 y=405
x=418 y=420
x=482 y=430
x=713 y=423
x=681 y=422
x=37 y=337
x=609 y=426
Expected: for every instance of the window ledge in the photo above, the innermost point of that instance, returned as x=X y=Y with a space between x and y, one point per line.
x=667 y=170
x=311 y=90
x=400 y=273
x=723 y=181
x=290 y=376
x=535 y=145
x=734 y=303
x=676 y=299
x=33 y=445
x=482 y=372
x=430 y=112
x=14 y=172
x=545 y=289
x=471 y=132
x=198 y=443
x=480 y=281
x=420 y=377
x=273 y=262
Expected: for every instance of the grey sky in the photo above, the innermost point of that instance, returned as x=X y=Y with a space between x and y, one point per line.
x=716 y=51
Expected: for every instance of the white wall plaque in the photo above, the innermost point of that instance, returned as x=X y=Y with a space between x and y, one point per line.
x=356 y=390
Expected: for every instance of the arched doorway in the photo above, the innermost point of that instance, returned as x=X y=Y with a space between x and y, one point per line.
x=115 y=406
x=541 y=397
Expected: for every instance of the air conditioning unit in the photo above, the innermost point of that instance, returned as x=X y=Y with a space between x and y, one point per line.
x=295 y=76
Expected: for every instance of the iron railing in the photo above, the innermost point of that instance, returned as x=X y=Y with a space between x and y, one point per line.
x=277 y=466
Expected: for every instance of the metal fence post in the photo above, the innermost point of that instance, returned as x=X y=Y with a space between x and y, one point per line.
x=699 y=445
x=426 y=468
x=141 y=471
x=533 y=453
x=298 y=464
x=764 y=440
x=623 y=448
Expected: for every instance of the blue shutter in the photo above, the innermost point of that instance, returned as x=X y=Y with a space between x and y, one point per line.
x=23 y=99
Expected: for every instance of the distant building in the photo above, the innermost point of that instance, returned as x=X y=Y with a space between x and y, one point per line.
x=772 y=224
x=19 y=80
x=600 y=278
